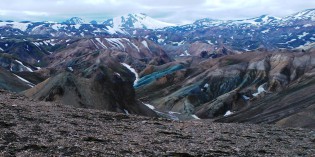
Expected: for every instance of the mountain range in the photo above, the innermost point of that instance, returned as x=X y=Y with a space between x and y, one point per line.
x=294 y=31
x=225 y=70
x=136 y=86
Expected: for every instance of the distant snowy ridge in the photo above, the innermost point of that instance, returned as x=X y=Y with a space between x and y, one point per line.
x=74 y=21
x=308 y=14
x=136 y=21
x=143 y=21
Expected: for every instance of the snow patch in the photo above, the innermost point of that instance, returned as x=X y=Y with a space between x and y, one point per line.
x=24 y=80
x=27 y=68
x=77 y=26
x=185 y=54
x=265 y=31
x=115 y=30
x=126 y=111
x=135 y=46
x=259 y=90
x=16 y=25
x=150 y=106
x=116 y=42
x=111 y=30
x=161 y=40
x=37 y=45
x=292 y=40
x=102 y=44
x=145 y=44
x=70 y=68
x=36 y=27
x=303 y=35
x=245 y=97
x=57 y=26
x=178 y=43
x=133 y=71
x=194 y=116
x=172 y=112
x=210 y=42
x=206 y=85
x=228 y=113
x=95 y=44
x=307 y=25
x=139 y=21
x=97 y=30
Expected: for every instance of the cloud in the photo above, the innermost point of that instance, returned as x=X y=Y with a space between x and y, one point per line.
x=174 y=11
x=34 y=13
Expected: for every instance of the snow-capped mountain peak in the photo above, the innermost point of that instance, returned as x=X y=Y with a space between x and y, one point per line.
x=257 y=21
x=308 y=14
x=265 y=19
x=136 y=21
x=74 y=21
x=207 y=22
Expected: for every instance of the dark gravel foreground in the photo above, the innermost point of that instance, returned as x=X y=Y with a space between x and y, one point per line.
x=30 y=128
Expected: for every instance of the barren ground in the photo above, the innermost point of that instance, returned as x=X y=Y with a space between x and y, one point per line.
x=31 y=128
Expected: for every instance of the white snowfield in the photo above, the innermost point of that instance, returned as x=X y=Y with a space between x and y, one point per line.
x=140 y=21
x=16 y=25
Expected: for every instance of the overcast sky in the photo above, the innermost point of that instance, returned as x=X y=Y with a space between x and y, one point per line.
x=172 y=11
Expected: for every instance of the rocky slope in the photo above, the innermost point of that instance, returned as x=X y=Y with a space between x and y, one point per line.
x=31 y=55
x=294 y=106
x=12 y=82
x=104 y=90
x=32 y=128
x=242 y=83
x=204 y=84
x=89 y=73
x=136 y=51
